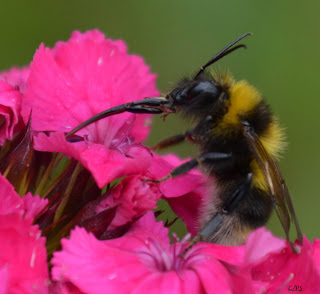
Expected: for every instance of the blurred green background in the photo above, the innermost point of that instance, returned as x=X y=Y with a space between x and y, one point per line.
x=176 y=37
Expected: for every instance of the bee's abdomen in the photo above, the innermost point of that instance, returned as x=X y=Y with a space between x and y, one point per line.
x=256 y=209
x=251 y=213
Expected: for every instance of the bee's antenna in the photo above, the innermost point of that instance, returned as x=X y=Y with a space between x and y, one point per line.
x=225 y=51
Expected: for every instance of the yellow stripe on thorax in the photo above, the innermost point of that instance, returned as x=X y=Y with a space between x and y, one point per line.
x=242 y=99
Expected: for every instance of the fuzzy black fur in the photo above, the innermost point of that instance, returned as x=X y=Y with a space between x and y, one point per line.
x=205 y=102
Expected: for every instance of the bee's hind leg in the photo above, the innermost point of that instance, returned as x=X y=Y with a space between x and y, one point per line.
x=189 y=165
x=232 y=202
x=190 y=135
x=229 y=205
x=174 y=140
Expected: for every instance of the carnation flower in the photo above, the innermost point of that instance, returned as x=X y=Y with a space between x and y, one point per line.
x=136 y=194
x=16 y=77
x=144 y=261
x=26 y=206
x=10 y=200
x=10 y=105
x=274 y=268
x=61 y=88
x=132 y=197
x=23 y=257
x=34 y=206
x=76 y=80
x=186 y=194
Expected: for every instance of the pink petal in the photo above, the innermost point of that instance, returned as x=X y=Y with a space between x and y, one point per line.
x=76 y=80
x=104 y=164
x=23 y=256
x=281 y=268
x=82 y=77
x=260 y=243
x=23 y=251
x=33 y=205
x=132 y=197
x=148 y=225
x=10 y=201
x=4 y=280
x=144 y=228
x=214 y=277
x=10 y=105
x=16 y=77
x=119 y=265
x=187 y=194
x=189 y=207
x=220 y=273
x=316 y=253
x=230 y=254
x=169 y=282
x=111 y=270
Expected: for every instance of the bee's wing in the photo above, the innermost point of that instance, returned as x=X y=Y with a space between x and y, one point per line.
x=277 y=187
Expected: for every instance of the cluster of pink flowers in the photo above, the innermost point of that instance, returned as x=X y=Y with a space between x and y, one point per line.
x=76 y=216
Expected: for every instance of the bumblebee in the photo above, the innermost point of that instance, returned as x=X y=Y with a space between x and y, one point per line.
x=238 y=140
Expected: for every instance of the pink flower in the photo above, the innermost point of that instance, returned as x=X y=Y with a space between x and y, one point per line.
x=275 y=269
x=10 y=201
x=26 y=206
x=10 y=106
x=23 y=256
x=16 y=77
x=186 y=194
x=144 y=261
x=33 y=205
x=316 y=253
x=132 y=197
x=76 y=80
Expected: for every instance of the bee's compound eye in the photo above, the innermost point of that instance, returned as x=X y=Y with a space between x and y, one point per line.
x=203 y=88
x=186 y=94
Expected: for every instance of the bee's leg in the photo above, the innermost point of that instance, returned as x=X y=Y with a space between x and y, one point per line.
x=190 y=134
x=174 y=140
x=211 y=227
x=189 y=165
x=228 y=207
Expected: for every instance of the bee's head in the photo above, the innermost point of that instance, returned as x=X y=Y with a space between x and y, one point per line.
x=189 y=91
x=196 y=97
